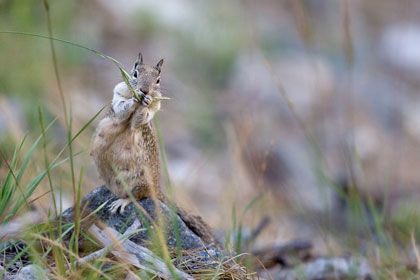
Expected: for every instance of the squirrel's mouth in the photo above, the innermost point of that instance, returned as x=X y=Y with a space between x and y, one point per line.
x=153 y=93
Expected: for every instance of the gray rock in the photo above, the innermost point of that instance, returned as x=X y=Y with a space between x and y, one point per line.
x=119 y=222
x=31 y=272
x=326 y=268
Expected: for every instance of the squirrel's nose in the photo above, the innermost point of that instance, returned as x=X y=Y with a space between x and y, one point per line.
x=144 y=90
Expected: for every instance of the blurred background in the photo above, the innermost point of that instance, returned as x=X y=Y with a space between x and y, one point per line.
x=310 y=109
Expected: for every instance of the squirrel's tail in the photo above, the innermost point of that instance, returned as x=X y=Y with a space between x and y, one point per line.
x=198 y=226
x=195 y=223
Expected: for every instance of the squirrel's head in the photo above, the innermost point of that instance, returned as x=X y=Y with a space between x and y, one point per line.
x=146 y=79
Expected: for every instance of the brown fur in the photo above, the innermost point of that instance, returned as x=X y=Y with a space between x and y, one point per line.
x=125 y=141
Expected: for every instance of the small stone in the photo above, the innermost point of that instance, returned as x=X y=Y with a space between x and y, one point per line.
x=31 y=272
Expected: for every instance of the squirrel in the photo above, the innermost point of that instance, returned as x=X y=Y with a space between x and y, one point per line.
x=125 y=144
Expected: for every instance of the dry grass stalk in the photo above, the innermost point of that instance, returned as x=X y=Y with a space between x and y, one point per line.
x=416 y=251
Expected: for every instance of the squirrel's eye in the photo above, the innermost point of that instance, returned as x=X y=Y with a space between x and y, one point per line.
x=136 y=73
x=158 y=81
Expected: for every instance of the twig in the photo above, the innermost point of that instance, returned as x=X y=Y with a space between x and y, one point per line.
x=282 y=253
x=257 y=231
x=137 y=255
x=92 y=256
x=97 y=254
x=135 y=225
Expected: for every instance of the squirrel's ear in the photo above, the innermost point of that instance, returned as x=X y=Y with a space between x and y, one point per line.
x=139 y=60
x=159 y=65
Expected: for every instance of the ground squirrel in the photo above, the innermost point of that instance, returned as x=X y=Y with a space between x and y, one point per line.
x=125 y=142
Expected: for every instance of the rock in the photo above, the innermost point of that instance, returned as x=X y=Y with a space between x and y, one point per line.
x=399 y=45
x=195 y=257
x=119 y=222
x=326 y=268
x=31 y=272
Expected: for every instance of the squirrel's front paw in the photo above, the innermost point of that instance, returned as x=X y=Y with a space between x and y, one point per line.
x=146 y=100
